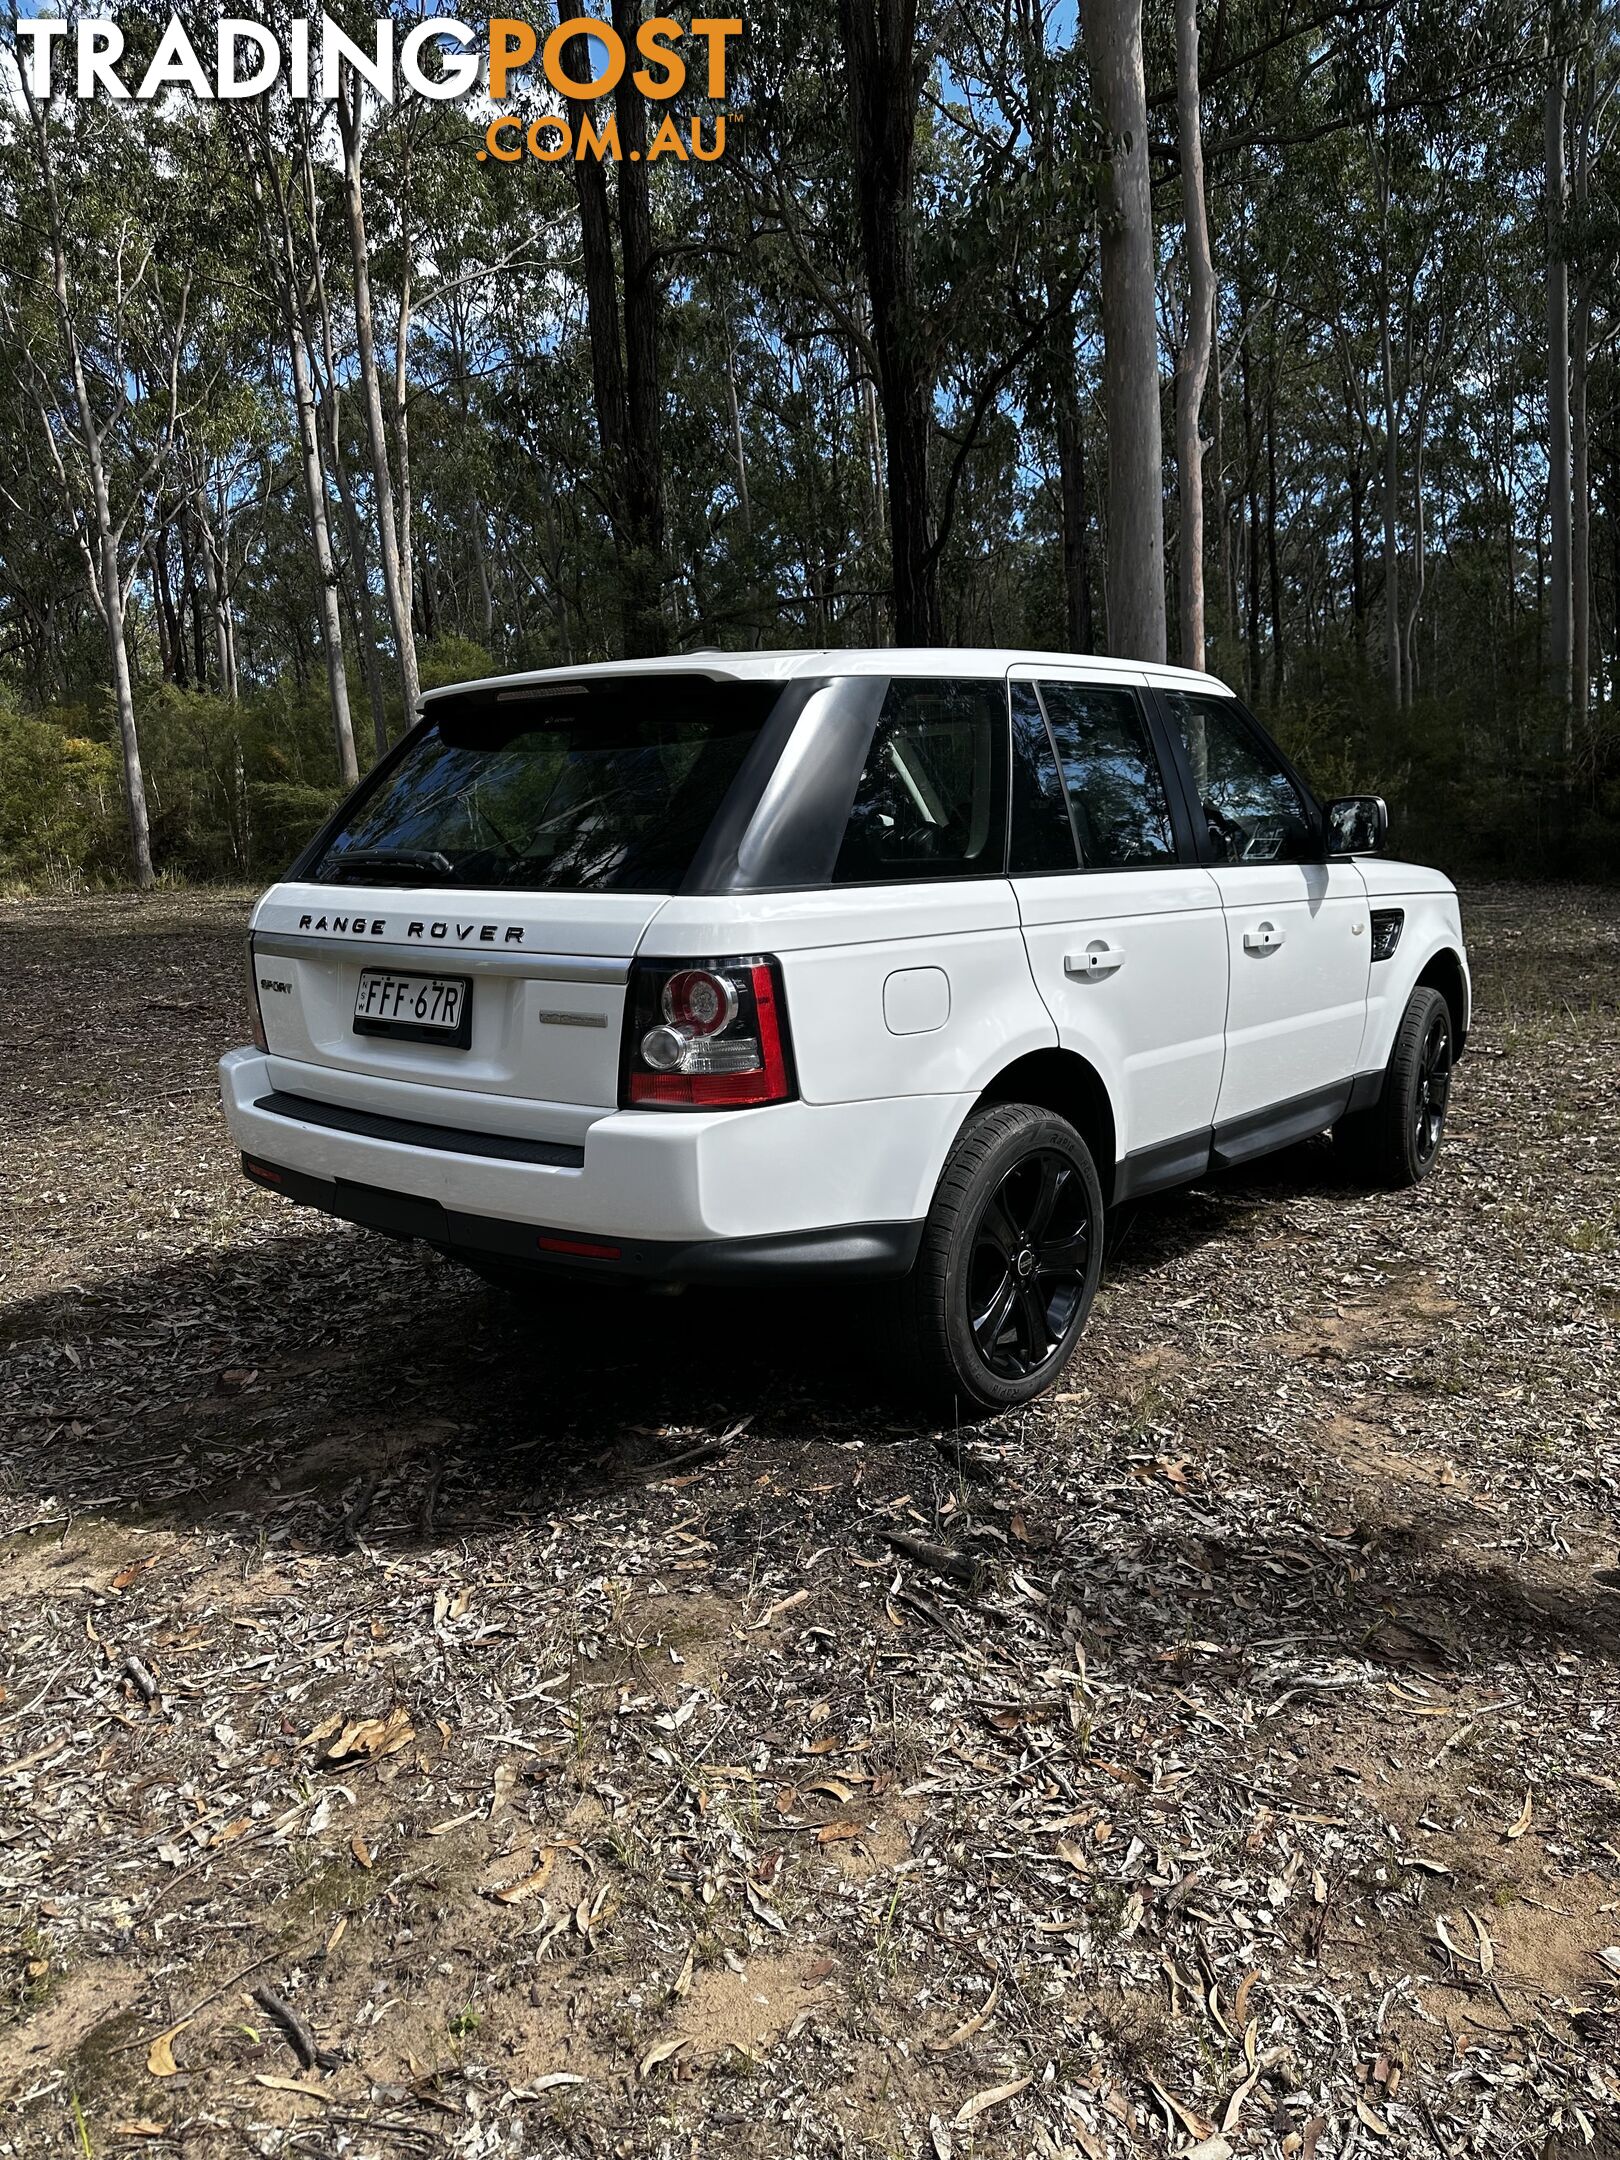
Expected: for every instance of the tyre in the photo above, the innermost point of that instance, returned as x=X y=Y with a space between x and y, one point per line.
x=1395 y=1143
x=1008 y=1265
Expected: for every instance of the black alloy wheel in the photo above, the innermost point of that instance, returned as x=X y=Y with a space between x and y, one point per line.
x=1031 y=1256
x=1007 y=1266
x=1432 y=1089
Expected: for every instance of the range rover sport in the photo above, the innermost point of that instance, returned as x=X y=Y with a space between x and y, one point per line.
x=906 y=964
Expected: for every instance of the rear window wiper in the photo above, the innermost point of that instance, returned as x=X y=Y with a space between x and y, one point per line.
x=378 y=865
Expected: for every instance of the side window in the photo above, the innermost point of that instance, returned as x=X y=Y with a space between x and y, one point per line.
x=1116 y=790
x=932 y=798
x=1254 y=811
x=1041 y=835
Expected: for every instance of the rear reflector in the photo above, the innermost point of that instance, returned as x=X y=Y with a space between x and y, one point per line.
x=577 y=1248
x=260 y=1170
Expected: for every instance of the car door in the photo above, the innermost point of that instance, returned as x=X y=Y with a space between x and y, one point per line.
x=1296 y=932
x=1123 y=926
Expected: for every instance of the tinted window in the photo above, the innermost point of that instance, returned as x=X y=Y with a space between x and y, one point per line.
x=930 y=803
x=603 y=789
x=1042 y=837
x=1116 y=790
x=1253 y=809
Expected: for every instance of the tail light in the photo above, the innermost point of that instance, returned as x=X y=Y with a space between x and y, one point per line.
x=255 y=1016
x=706 y=1035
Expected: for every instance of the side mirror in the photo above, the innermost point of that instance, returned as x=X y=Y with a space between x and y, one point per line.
x=1358 y=825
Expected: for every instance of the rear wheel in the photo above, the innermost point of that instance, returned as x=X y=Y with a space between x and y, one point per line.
x=1395 y=1142
x=1008 y=1264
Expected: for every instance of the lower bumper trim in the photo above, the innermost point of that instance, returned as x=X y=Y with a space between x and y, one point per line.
x=861 y=1249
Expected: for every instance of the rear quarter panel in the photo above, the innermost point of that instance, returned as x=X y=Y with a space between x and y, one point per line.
x=861 y=968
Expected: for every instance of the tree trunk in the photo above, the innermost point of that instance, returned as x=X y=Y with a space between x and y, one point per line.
x=337 y=681
x=1357 y=486
x=1252 y=523
x=124 y=696
x=359 y=579
x=218 y=600
x=884 y=84
x=394 y=586
x=1273 y=565
x=1392 y=481
x=1561 y=643
x=106 y=578
x=645 y=629
x=1194 y=362
x=1136 y=615
x=1071 y=453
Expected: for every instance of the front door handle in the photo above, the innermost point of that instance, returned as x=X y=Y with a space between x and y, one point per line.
x=1264 y=937
x=1099 y=958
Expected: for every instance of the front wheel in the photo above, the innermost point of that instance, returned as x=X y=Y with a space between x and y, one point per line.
x=1008 y=1264
x=1395 y=1142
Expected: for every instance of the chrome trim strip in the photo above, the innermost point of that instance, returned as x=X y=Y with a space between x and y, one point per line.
x=443 y=957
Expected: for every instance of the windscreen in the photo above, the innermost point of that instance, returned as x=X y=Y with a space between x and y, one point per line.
x=606 y=787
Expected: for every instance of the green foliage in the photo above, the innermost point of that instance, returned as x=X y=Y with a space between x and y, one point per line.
x=61 y=815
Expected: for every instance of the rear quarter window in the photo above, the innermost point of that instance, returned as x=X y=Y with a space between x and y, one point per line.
x=931 y=799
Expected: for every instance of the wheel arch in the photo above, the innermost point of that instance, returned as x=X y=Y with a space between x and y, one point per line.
x=1064 y=1082
x=1444 y=971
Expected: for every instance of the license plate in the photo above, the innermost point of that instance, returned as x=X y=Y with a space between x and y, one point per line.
x=423 y=1008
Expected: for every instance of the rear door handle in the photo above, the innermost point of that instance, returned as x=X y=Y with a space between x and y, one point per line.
x=1099 y=958
x=1264 y=937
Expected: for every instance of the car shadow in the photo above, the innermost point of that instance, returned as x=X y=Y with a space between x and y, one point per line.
x=317 y=1388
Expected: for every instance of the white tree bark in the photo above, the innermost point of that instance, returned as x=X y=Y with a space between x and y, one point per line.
x=102 y=560
x=396 y=590
x=1136 y=613
x=1193 y=370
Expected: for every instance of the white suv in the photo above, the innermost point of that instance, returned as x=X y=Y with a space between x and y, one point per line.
x=895 y=963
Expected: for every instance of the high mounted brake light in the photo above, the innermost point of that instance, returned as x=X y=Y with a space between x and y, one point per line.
x=706 y=1035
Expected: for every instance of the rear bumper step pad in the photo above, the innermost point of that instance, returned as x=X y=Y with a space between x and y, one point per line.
x=414 y=1132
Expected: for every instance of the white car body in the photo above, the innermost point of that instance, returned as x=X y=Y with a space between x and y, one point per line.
x=1186 y=1014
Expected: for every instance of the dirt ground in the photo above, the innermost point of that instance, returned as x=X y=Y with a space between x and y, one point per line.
x=438 y=1725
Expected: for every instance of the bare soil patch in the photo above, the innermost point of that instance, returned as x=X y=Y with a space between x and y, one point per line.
x=359 y=1645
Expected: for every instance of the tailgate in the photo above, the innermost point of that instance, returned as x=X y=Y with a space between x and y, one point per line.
x=520 y=994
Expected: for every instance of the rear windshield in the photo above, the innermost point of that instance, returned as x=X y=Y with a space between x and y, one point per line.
x=603 y=788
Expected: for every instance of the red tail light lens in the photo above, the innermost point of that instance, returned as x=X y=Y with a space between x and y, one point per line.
x=706 y=1035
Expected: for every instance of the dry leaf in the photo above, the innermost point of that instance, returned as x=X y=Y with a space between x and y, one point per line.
x=974 y=2024
x=1374 y=2121
x=527 y=1886
x=160 y=2055
x=292 y=2085
x=371 y=1737
x=1487 y=1949
x=837 y=1833
x=660 y=2052
x=683 y=1980
x=992 y=2096
x=361 y=1850
x=1521 y=1822
x=1191 y=2121
x=140 y=2126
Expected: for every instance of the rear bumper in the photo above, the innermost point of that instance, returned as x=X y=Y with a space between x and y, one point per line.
x=851 y=1249
x=793 y=1189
